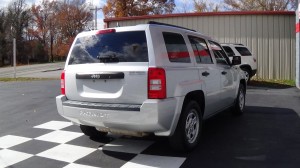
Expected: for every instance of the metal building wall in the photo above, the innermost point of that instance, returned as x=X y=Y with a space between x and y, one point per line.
x=270 y=36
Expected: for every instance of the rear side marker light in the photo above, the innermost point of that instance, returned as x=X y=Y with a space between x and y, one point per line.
x=62 y=83
x=157 y=83
x=106 y=31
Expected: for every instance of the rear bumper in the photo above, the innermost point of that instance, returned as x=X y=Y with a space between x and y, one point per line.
x=153 y=116
x=253 y=72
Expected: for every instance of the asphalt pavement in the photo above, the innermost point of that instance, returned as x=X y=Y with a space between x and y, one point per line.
x=48 y=70
x=33 y=134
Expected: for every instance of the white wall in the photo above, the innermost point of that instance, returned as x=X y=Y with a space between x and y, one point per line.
x=270 y=36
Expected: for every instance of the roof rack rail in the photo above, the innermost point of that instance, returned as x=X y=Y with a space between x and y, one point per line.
x=234 y=44
x=165 y=24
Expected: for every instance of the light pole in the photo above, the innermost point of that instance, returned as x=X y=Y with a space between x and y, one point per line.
x=14 y=53
x=298 y=44
x=95 y=15
x=15 y=57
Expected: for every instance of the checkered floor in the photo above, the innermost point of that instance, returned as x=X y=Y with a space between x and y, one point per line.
x=61 y=144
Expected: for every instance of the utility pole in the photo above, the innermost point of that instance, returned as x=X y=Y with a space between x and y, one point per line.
x=15 y=57
x=95 y=15
x=298 y=44
x=14 y=51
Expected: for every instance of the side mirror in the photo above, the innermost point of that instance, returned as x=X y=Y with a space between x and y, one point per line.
x=236 y=60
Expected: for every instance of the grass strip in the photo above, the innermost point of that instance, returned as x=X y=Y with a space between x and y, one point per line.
x=272 y=83
x=22 y=79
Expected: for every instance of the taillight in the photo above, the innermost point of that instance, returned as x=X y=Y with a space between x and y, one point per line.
x=62 y=83
x=157 y=83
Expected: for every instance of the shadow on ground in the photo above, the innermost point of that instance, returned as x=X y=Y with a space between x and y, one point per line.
x=270 y=85
x=262 y=137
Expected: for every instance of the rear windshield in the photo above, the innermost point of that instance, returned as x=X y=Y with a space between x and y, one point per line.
x=243 y=51
x=121 y=46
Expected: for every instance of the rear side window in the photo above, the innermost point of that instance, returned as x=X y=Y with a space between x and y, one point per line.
x=200 y=50
x=176 y=48
x=243 y=51
x=118 y=47
x=229 y=51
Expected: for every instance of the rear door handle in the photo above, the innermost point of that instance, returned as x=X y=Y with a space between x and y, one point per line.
x=205 y=73
x=224 y=73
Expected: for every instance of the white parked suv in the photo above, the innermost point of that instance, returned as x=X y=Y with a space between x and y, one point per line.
x=148 y=79
x=248 y=64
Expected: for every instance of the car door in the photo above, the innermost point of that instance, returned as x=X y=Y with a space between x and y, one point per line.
x=228 y=75
x=209 y=73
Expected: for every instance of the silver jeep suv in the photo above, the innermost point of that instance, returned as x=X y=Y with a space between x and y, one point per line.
x=149 y=79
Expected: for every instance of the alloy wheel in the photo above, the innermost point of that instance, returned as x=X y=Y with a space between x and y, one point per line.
x=192 y=126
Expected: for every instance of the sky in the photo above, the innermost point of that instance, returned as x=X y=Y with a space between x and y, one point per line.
x=181 y=6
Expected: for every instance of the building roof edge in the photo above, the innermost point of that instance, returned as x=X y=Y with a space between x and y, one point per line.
x=201 y=14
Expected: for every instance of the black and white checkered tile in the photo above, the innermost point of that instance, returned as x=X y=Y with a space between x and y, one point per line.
x=61 y=144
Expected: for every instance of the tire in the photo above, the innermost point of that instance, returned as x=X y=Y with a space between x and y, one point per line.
x=92 y=131
x=247 y=74
x=239 y=105
x=188 y=130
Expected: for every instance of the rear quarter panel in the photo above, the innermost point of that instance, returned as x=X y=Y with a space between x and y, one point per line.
x=181 y=77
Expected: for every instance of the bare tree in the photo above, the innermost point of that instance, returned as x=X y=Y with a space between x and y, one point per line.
x=122 y=8
x=44 y=31
x=200 y=6
x=18 y=16
x=56 y=23
x=185 y=7
x=262 y=5
x=41 y=14
x=3 y=41
x=70 y=19
x=205 y=6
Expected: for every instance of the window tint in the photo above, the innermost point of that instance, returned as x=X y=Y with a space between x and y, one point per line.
x=176 y=48
x=201 y=51
x=229 y=51
x=122 y=46
x=243 y=51
x=219 y=53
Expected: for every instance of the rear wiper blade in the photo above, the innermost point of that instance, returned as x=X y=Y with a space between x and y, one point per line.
x=108 y=58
